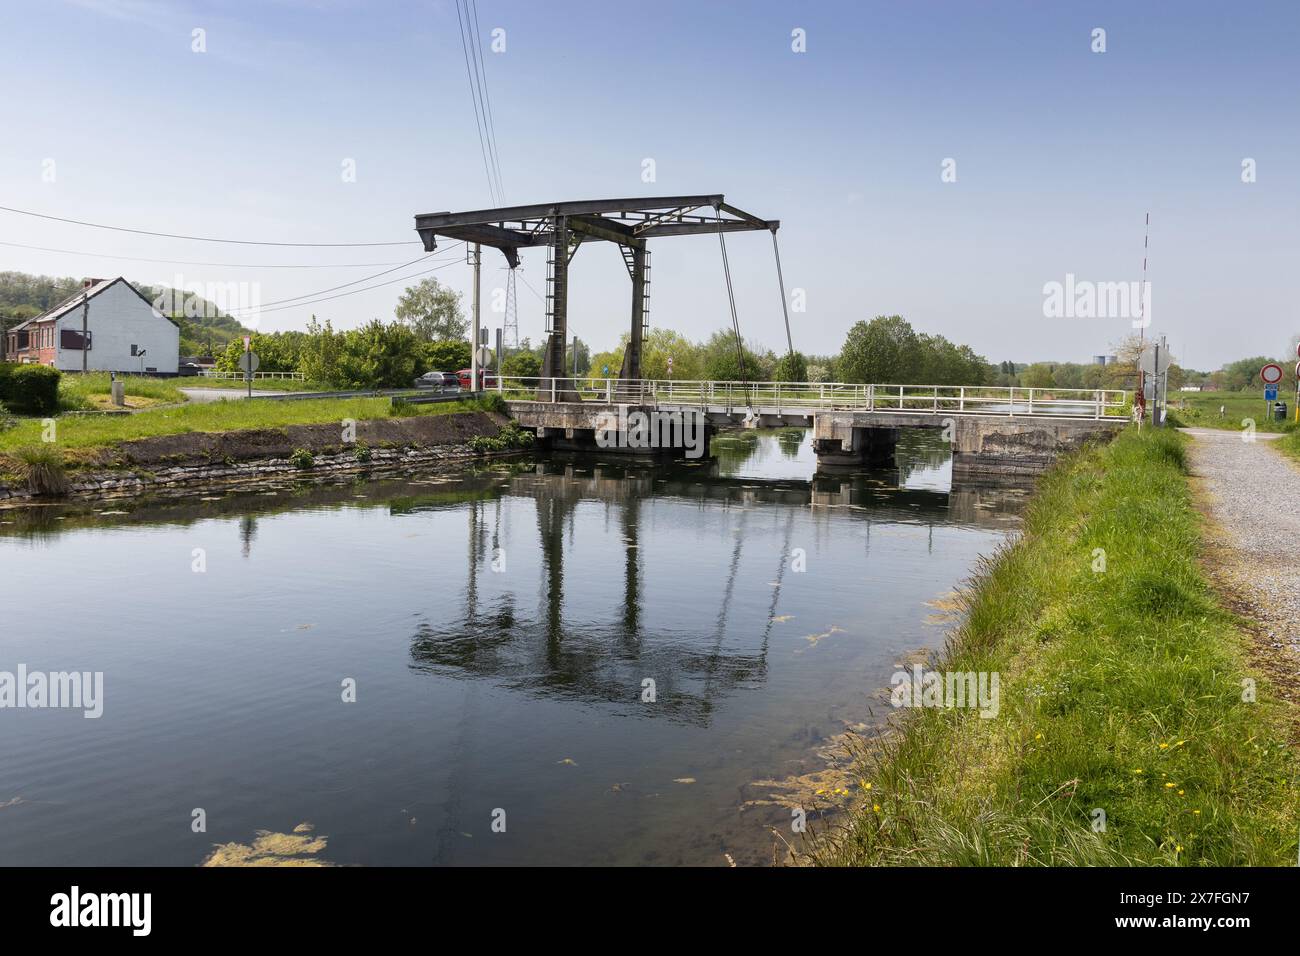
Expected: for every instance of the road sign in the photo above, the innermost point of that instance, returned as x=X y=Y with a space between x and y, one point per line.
x=1270 y=393
x=1155 y=360
x=604 y=370
x=484 y=356
x=1271 y=374
x=248 y=362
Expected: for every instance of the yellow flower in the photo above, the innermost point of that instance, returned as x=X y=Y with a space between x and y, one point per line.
x=1180 y=793
x=1038 y=736
x=866 y=786
x=1178 y=849
x=1168 y=785
x=1180 y=743
x=1197 y=812
x=1164 y=746
x=1138 y=770
x=876 y=807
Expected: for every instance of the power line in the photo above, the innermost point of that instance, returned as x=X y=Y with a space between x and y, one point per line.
x=474 y=102
x=377 y=285
x=235 y=242
x=480 y=59
x=191 y=262
x=404 y=265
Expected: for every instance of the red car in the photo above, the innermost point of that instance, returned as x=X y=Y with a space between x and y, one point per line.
x=485 y=380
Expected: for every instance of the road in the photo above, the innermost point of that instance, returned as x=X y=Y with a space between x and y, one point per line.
x=1250 y=491
x=217 y=394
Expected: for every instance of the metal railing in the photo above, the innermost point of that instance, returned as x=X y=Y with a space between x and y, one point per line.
x=239 y=376
x=795 y=398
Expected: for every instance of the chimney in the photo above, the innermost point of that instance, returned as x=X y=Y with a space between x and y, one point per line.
x=87 y=283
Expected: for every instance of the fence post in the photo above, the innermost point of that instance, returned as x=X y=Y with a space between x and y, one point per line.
x=609 y=392
x=552 y=391
x=1031 y=401
x=961 y=399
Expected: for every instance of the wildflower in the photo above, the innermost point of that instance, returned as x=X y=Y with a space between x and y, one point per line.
x=1164 y=746
x=1197 y=812
x=875 y=807
x=1138 y=770
x=1168 y=785
x=1180 y=792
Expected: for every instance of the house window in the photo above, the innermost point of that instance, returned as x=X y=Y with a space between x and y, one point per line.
x=135 y=350
x=71 y=339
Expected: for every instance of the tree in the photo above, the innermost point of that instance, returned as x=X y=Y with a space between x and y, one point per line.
x=321 y=354
x=446 y=355
x=276 y=352
x=1038 y=375
x=792 y=367
x=884 y=350
x=379 y=356
x=521 y=364
x=432 y=311
x=722 y=363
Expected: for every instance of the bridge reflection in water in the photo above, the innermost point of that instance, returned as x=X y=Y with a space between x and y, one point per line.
x=603 y=655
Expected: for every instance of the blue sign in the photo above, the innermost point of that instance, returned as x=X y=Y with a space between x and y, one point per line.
x=605 y=370
x=1270 y=393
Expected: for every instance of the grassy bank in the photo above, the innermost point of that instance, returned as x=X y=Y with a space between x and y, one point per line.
x=92 y=432
x=1120 y=692
x=1201 y=410
x=86 y=391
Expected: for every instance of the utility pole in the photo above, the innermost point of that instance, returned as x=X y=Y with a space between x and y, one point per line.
x=473 y=353
x=85 y=328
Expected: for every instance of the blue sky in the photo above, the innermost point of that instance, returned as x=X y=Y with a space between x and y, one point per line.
x=1060 y=152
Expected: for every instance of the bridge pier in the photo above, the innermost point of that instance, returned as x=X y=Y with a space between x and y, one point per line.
x=861 y=446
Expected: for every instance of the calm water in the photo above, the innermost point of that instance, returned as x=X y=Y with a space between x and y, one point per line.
x=517 y=688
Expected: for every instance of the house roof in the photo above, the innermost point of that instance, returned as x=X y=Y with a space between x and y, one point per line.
x=74 y=301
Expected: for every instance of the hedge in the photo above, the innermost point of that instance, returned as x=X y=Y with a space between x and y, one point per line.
x=29 y=389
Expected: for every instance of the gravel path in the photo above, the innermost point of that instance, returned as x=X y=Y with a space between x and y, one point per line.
x=1252 y=492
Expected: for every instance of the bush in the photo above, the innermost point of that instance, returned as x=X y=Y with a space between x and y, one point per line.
x=510 y=437
x=7 y=421
x=362 y=453
x=30 y=389
x=303 y=458
x=41 y=466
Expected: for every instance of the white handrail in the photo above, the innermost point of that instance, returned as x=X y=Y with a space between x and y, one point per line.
x=793 y=398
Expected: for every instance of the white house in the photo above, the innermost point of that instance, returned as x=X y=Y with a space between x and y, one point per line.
x=126 y=333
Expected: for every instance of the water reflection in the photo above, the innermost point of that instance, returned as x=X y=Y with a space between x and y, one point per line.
x=502 y=625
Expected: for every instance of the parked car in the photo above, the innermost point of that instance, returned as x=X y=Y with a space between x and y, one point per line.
x=485 y=380
x=439 y=381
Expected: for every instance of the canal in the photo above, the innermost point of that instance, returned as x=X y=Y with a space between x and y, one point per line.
x=574 y=661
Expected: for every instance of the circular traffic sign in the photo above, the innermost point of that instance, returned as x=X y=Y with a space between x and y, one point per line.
x=248 y=362
x=1271 y=374
x=484 y=356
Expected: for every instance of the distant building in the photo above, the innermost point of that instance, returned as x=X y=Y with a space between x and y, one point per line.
x=1099 y=360
x=124 y=333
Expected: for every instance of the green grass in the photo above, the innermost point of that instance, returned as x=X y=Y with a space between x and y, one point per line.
x=78 y=390
x=1121 y=691
x=95 y=431
x=1201 y=410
